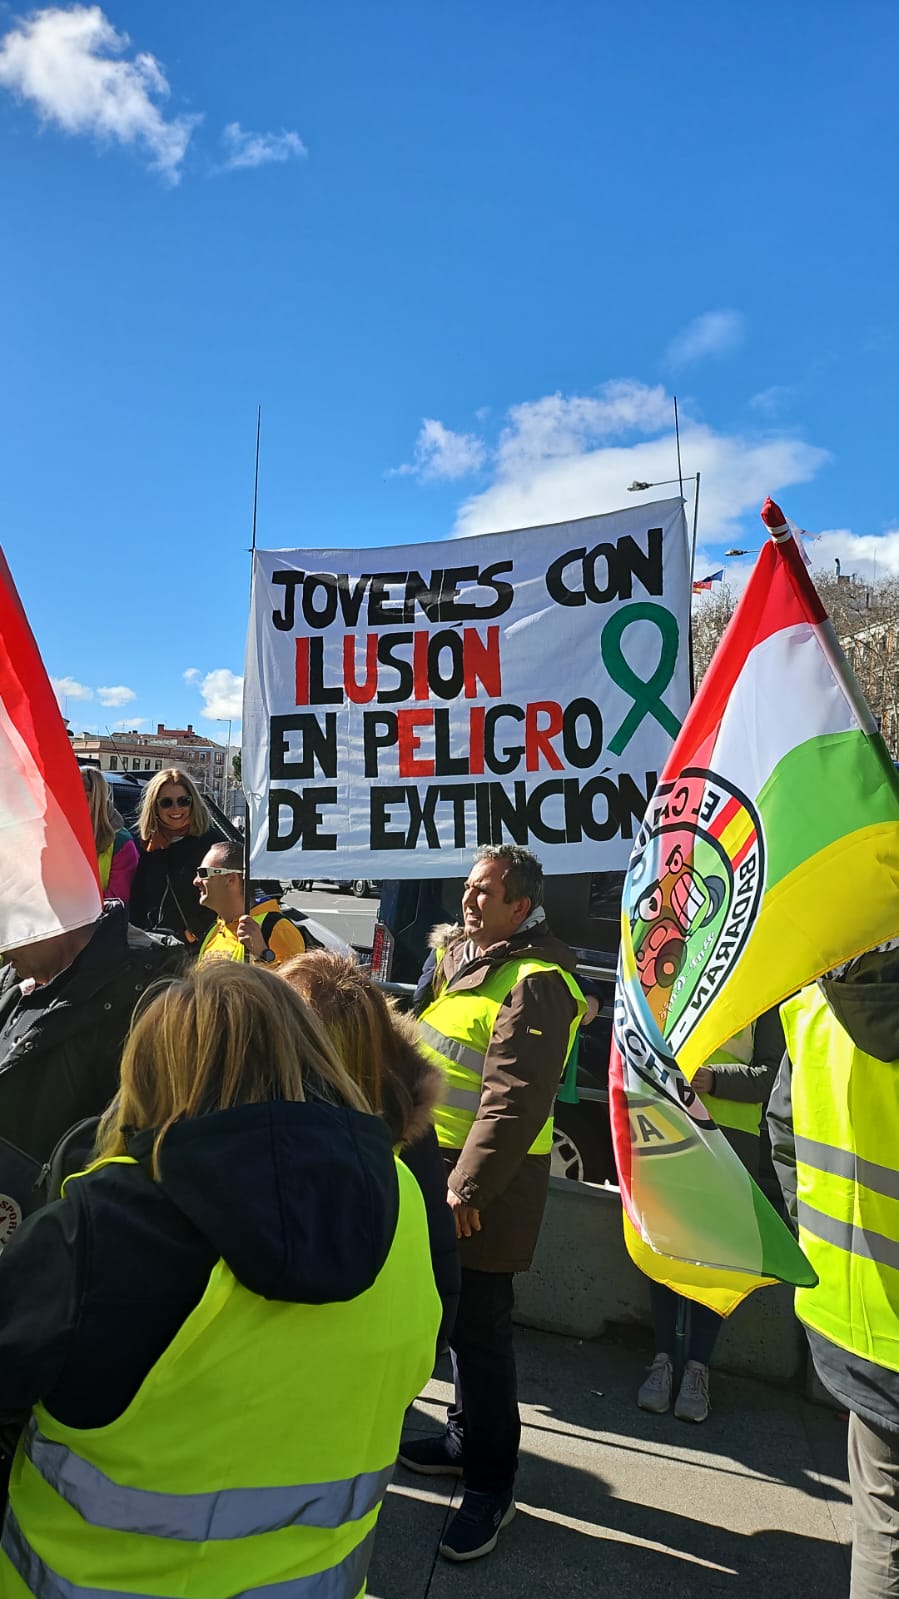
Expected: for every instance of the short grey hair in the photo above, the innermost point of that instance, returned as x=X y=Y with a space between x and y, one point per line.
x=523 y=876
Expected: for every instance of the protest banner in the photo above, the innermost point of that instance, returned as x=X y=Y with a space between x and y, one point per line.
x=403 y=705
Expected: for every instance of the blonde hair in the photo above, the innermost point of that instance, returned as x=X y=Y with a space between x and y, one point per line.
x=148 y=816
x=100 y=806
x=223 y=1035
x=367 y=1030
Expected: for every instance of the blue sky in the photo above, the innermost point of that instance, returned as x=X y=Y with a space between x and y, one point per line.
x=462 y=255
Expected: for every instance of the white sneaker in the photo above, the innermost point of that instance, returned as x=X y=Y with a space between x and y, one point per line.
x=655 y=1393
x=693 y=1399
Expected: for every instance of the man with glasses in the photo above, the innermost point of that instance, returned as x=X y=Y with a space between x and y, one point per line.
x=264 y=935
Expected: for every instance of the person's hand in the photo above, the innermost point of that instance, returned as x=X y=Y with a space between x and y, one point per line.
x=466 y=1217
x=250 y=935
x=703 y=1080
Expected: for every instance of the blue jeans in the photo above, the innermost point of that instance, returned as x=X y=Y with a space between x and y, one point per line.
x=705 y=1324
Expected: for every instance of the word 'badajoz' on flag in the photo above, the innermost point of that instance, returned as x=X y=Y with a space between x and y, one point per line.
x=403 y=705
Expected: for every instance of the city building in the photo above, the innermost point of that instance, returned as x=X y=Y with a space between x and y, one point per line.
x=208 y=763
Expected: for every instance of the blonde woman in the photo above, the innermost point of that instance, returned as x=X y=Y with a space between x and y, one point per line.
x=176 y=831
x=116 y=850
x=377 y=1045
x=213 y=1335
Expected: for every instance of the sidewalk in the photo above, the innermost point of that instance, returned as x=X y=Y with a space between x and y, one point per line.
x=613 y=1501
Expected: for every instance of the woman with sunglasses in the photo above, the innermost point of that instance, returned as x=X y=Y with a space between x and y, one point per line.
x=176 y=831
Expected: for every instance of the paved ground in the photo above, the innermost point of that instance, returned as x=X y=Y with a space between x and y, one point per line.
x=354 y=919
x=612 y=1501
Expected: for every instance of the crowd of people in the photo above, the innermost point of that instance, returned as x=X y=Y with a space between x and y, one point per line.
x=240 y=1158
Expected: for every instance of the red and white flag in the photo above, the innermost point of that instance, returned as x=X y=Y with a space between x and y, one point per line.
x=48 y=862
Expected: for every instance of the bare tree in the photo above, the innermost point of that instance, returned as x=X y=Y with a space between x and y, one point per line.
x=866 y=620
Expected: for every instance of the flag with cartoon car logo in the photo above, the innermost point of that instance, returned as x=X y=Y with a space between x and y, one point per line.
x=769 y=853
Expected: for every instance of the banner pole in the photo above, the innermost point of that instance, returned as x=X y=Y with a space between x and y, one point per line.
x=246 y=831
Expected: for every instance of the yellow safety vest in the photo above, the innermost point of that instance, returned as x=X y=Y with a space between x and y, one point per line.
x=253 y=1458
x=455 y=1030
x=846 y=1126
x=104 y=865
x=743 y=1115
x=224 y=944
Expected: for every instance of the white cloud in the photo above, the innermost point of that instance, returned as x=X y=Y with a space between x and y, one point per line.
x=131 y=724
x=68 y=64
x=191 y=675
x=714 y=333
x=551 y=467
x=245 y=149
x=222 y=693
x=440 y=453
x=116 y=696
x=68 y=688
x=868 y=555
x=557 y=426
x=773 y=401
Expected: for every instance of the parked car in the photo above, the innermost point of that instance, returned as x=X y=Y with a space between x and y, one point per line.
x=582 y=909
x=361 y=887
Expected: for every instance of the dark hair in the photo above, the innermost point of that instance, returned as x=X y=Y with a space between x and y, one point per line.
x=523 y=877
x=231 y=854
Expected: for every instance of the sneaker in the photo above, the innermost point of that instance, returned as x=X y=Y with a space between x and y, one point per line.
x=655 y=1393
x=477 y=1524
x=693 y=1399
x=431 y=1456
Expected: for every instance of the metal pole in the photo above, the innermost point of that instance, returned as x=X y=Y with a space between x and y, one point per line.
x=695 y=523
x=246 y=830
x=680 y=475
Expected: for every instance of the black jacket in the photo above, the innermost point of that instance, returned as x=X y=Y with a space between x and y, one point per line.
x=301 y=1200
x=865 y=1002
x=163 y=893
x=60 y=1046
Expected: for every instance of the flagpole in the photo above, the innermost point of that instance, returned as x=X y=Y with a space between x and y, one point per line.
x=788 y=550
x=246 y=831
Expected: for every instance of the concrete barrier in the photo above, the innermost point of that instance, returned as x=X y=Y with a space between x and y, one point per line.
x=583 y=1280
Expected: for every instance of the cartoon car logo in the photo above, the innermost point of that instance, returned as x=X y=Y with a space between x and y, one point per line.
x=667 y=911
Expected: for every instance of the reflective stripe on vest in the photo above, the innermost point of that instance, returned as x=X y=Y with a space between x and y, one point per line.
x=846 y=1125
x=192 y=1518
x=238 y=953
x=199 y=1486
x=343 y=1581
x=454 y=1031
x=744 y=1116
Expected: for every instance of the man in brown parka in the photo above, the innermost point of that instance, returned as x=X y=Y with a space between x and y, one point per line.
x=503 y=1012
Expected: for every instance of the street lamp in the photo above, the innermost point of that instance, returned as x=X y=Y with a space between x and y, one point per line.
x=754 y=551
x=637 y=487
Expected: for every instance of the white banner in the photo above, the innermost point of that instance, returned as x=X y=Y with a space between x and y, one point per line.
x=403 y=705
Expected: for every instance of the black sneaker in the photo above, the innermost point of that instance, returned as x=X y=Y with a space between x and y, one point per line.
x=431 y=1456
x=477 y=1524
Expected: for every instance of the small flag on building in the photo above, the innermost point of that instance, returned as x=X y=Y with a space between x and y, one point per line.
x=701 y=583
x=769 y=853
x=48 y=860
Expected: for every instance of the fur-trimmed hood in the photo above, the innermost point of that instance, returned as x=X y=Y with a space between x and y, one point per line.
x=411 y=1087
x=444 y=935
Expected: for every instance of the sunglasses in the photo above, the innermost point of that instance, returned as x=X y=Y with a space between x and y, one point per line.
x=166 y=804
x=217 y=871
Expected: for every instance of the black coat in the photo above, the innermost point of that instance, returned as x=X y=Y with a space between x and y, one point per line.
x=94 y=1287
x=60 y=1046
x=163 y=893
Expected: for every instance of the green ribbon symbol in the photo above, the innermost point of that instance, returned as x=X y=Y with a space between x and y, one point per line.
x=646 y=696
